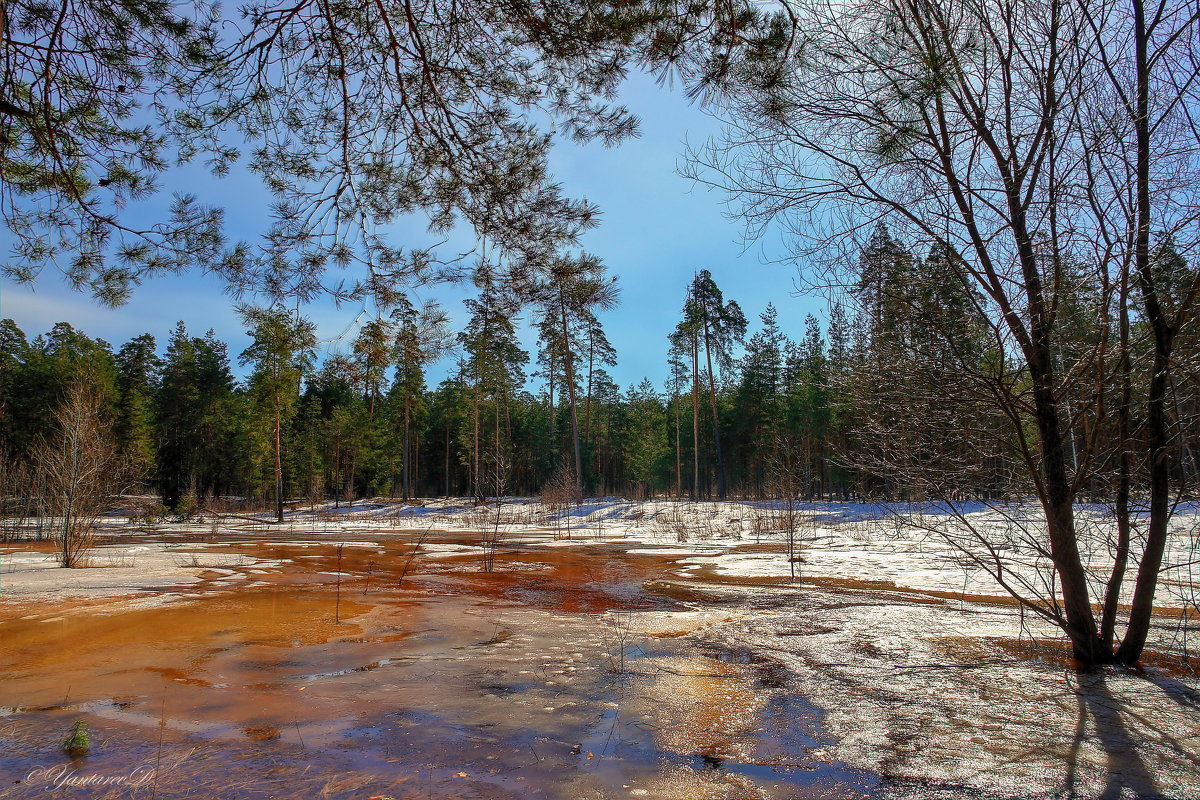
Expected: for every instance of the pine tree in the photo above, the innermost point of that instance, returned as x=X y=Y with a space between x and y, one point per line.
x=422 y=337
x=13 y=353
x=840 y=361
x=494 y=370
x=809 y=405
x=600 y=353
x=372 y=354
x=676 y=385
x=281 y=350
x=345 y=426
x=720 y=325
x=551 y=358
x=86 y=93
x=685 y=364
x=885 y=280
x=572 y=290
x=51 y=366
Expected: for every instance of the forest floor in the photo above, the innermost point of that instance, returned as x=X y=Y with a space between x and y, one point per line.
x=617 y=649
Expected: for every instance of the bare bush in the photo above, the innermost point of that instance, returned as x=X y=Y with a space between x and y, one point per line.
x=619 y=641
x=16 y=502
x=78 y=470
x=672 y=521
x=558 y=495
x=498 y=475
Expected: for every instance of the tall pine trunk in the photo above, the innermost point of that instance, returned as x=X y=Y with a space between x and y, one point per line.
x=695 y=418
x=678 y=451
x=278 y=467
x=570 y=370
x=406 y=456
x=716 y=422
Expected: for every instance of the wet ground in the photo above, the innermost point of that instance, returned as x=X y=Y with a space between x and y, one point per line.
x=368 y=672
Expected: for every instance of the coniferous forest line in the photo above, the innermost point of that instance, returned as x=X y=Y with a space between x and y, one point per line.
x=874 y=404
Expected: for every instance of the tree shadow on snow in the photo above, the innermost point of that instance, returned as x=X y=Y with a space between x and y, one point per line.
x=1124 y=767
x=1180 y=692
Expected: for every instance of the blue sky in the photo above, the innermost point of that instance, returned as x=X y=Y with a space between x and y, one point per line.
x=656 y=231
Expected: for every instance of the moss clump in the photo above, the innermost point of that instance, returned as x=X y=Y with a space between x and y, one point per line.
x=79 y=741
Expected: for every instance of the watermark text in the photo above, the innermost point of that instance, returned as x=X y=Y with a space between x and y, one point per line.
x=63 y=776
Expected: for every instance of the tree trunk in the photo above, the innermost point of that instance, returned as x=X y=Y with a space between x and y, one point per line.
x=678 y=453
x=416 y=460
x=587 y=400
x=404 y=461
x=695 y=418
x=278 y=468
x=570 y=370
x=1142 y=607
x=1112 y=591
x=476 y=486
x=712 y=388
x=1157 y=436
x=1057 y=492
x=1058 y=499
x=550 y=396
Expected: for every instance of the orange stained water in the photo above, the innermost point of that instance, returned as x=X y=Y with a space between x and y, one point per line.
x=452 y=683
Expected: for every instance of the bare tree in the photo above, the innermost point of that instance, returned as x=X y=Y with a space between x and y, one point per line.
x=498 y=473
x=1040 y=143
x=79 y=469
x=558 y=494
x=15 y=501
x=785 y=483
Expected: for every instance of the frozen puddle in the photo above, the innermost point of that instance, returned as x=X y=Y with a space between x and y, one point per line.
x=559 y=670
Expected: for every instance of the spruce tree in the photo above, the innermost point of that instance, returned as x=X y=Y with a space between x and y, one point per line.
x=194 y=414
x=137 y=365
x=757 y=403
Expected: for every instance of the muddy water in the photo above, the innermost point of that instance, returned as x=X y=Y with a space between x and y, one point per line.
x=565 y=673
